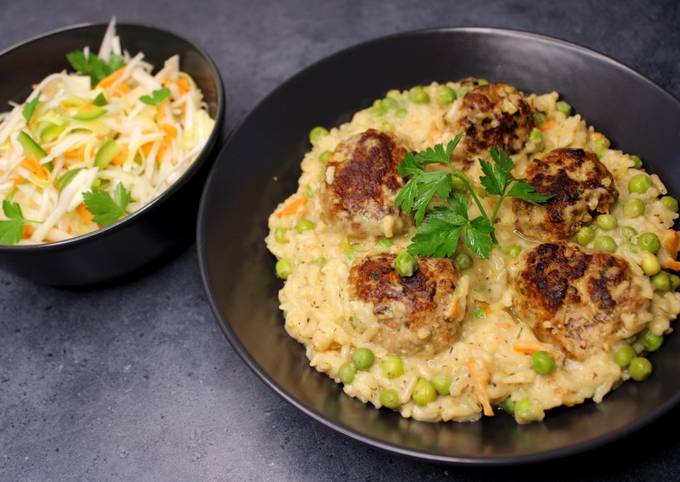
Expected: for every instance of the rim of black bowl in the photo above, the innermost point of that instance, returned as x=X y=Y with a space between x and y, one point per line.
x=183 y=179
x=386 y=446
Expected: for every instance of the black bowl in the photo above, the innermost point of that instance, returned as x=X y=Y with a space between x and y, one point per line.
x=259 y=167
x=163 y=226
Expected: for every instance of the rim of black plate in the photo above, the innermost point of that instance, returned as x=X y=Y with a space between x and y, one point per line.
x=540 y=456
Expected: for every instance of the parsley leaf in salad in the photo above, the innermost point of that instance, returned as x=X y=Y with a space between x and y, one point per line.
x=156 y=97
x=94 y=66
x=441 y=225
x=105 y=208
x=12 y=229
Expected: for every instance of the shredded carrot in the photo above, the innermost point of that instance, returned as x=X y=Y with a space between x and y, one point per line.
x=49 y=90
x=109 y=80
x=170 y=134
x=77 y=154
x=292 y=207
x=480 y=388
x=121 y=89
x=18 y=180
x=36 y=168
x=146 y=148
x=671 y=242
x=120 y=159
x=672 y=264
x=183 y=85
x=527 y=347
x=27 y=231
x=84 y=213
x=549 y=124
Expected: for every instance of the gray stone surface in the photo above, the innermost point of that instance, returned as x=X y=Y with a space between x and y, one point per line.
x=138 y=383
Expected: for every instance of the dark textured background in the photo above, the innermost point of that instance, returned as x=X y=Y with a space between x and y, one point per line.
x=138 y=383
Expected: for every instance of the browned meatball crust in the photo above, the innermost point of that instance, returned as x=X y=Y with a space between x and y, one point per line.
x=580 y=185
x=362 y=183
x=493 y=115
x=575 y=299
x=416 y=313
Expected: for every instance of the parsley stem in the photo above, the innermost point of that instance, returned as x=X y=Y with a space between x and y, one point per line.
x=468 y=186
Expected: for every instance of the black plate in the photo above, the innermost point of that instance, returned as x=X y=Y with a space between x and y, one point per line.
x=164 y=225
x=259 y=167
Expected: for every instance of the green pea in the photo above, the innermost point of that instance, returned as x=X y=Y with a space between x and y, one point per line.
x=670 y=203
x=599 y=143
x=564 y=108
x=637 y=162
x=363 y=358
x=462 y=91
x=539 y=118
x=378 y=108
x=623 y=355
x=524 y=410
x=445 y=95
x=405 y=264
x=661 y=282
x=304 y=225
x=514 y=250
x=325 y=156
x=441 y=383
x=389 y=103
x=389 y=398
x=280 y=235
x=627 y=232
x=392 y=366
x=640 y=368
x=649 y=242
x=606 y=222
x=317 y=133
x=633 y=208
x=424 y=392
x=309 y=192
x=585 y=235
x=347 y=372
x=418 y=95
x=283 y=268
x=650 y=264
x=606 y=244
x=387 y=126
x=639 y=183
x=463 y=261
x=401 y=112
x=651 y=341
x=675 y=282
x=508 y=406
x=543 y=363
x=535 y=135
x=385 y=243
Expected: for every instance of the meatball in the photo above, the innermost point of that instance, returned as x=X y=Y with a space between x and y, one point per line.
x=362 y=183
x=492 y=115
x=580 y=185
x=416 y=314
x=581 y=302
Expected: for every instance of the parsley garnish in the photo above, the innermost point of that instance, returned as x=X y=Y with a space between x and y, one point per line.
x=93 y=66
x=29 y=108
x=156 y=97
x=107 y=209
x=440 y=228
x=12 y=230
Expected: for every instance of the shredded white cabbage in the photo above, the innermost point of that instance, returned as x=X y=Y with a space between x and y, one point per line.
x=149 y=146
